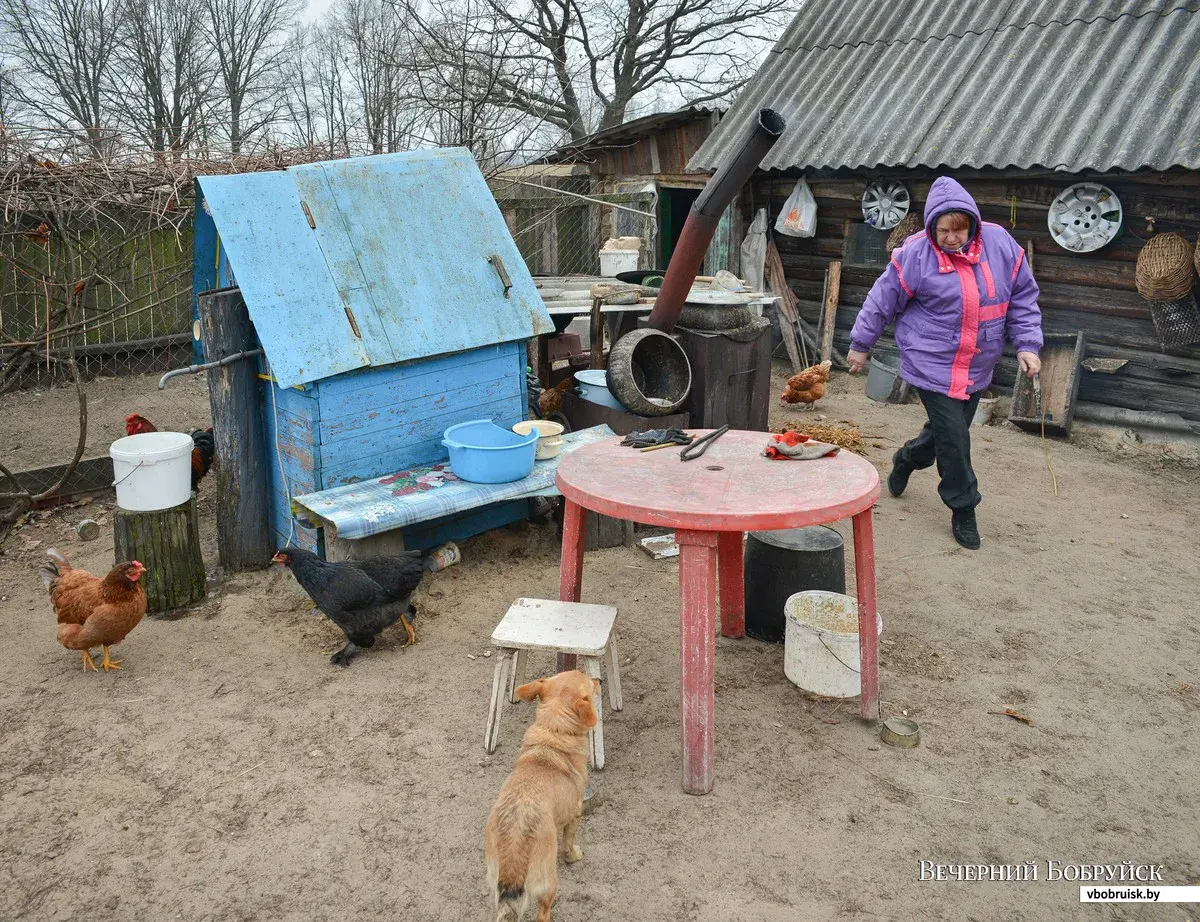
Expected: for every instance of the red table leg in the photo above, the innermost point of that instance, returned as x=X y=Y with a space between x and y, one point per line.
x=868 y=627
x=733 y=589
x=697 y=644
x=570 y=578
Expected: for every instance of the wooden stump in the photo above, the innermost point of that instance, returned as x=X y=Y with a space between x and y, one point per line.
x=167 y=544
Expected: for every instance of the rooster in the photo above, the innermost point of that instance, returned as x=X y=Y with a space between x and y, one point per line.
x=94 y=612
x=203 y=449
x=808 y=386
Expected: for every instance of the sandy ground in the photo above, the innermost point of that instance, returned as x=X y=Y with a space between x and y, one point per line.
x=230 y=772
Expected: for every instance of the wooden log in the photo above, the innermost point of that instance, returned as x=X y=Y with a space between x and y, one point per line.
x=833 y=287
x=167 y=544
x=776 y=280
x=596 y=334
x=235 y=398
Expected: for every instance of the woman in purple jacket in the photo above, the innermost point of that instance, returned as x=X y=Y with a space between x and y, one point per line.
x=954 y=292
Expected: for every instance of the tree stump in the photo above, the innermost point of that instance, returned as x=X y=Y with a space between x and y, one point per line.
x=167 y=544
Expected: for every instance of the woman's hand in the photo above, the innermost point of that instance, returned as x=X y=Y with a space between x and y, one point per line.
x=858 y=361
x=1029 y=362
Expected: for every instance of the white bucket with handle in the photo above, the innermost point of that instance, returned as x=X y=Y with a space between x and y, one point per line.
x=152 y=470
x=820 y=647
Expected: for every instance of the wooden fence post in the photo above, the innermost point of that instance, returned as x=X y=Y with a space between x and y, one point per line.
x=235 y=397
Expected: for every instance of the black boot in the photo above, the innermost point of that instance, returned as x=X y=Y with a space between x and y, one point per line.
x=898 y=479
x=966 y=532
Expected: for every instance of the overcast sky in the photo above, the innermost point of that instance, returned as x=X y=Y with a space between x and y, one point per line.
x=316 y=8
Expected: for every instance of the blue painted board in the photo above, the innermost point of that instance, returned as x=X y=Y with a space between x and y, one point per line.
x=393 y=267
x=300 y=319
x=462 y=525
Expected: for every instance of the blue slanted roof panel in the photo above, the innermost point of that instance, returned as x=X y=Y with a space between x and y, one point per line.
x=396 y=268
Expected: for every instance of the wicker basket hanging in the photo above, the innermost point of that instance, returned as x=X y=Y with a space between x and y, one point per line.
x=1196 y=254
x=909 y=225
x=1177 y=323
x=1164 y=269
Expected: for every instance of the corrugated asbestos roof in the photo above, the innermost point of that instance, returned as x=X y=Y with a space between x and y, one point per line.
x=1071 y=85
x=372 y=261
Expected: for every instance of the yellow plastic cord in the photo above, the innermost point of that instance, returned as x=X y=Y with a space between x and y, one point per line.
x=1037 y=387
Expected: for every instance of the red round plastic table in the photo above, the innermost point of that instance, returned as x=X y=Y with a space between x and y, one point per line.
x=711 y=502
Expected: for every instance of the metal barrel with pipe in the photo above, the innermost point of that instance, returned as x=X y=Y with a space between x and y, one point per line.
x=648 y=371
x=705 y=215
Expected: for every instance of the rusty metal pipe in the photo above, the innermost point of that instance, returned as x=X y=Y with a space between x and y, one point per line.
x=704 y=216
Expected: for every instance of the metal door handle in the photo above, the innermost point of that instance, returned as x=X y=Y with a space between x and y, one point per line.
x=498 y=264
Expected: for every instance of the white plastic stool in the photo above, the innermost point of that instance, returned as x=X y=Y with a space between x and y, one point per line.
x=555 y=627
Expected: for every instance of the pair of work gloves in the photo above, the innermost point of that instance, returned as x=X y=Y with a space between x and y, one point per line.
x=653 y=437
x=794 y=446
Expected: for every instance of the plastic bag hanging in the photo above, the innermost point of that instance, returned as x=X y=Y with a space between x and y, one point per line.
x=754 y=252
x=799 y=215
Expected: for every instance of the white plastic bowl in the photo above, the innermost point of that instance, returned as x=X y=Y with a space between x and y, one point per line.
x=550 y=433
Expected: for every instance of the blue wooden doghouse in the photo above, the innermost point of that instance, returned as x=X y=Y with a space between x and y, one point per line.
x=390 y=301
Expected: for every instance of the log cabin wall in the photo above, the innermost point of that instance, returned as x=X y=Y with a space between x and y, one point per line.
x=1093 y=292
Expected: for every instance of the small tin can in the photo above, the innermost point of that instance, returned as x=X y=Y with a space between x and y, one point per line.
x=88 y=530
x=900 y=732
x=445 y=556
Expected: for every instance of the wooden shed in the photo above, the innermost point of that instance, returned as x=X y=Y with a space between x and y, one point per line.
x=642 y=165
x=390 y=302
x=1007 y=100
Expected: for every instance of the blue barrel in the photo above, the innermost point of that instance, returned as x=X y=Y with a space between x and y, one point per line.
x=778 y=564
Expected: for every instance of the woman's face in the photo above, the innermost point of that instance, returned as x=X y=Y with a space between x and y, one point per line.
x=951 y=234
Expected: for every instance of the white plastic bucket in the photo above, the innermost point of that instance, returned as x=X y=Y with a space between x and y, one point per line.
x=985 y=409
x=820 y=646
x=614 y=261
x=152 y=470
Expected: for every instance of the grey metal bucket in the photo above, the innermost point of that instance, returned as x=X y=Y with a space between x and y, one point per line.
x=884 y=383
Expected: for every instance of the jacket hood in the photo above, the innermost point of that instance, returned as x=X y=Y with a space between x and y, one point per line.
x=945 y=195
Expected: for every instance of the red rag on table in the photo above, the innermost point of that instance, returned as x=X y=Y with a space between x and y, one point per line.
x=790 y=439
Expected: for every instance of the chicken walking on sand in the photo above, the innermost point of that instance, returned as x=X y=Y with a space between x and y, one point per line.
x=362 y=597
x=808 y=386
x=94 y=612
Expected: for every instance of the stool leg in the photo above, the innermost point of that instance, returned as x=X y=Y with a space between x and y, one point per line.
x=732 y=580
x=616 y=702
x=591 y=666
x=517 y=673
x=868 y=627
x=570 y=579
x=492 y=737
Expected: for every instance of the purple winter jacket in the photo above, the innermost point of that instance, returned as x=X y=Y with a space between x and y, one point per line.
x=953 y=310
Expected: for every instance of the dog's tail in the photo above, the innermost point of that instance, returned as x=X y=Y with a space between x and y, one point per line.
x=510 y=902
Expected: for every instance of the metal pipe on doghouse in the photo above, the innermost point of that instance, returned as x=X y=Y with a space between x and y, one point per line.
x=705 y=215
x=196 y=369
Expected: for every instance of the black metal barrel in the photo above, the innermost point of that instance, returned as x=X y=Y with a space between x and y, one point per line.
x=778 y=564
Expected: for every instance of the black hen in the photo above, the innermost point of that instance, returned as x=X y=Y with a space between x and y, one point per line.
x=362 y=597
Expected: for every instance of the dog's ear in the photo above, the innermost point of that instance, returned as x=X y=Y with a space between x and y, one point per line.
x=531 y=690
x=586 y=712
x=595 y=686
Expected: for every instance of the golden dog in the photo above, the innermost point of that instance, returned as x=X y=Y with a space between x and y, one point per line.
x=541 y=798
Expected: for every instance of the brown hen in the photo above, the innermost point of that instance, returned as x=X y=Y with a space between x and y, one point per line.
x=94 y=612
x=808 y=386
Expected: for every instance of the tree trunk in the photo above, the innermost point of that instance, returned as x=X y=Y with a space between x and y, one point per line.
x=235 y=398
x=167 y=544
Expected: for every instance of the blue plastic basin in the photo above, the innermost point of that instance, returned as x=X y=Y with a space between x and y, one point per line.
x=482 y=452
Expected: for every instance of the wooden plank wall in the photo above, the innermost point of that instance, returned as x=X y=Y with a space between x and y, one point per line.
x=376 y=421
x=1090 y=292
